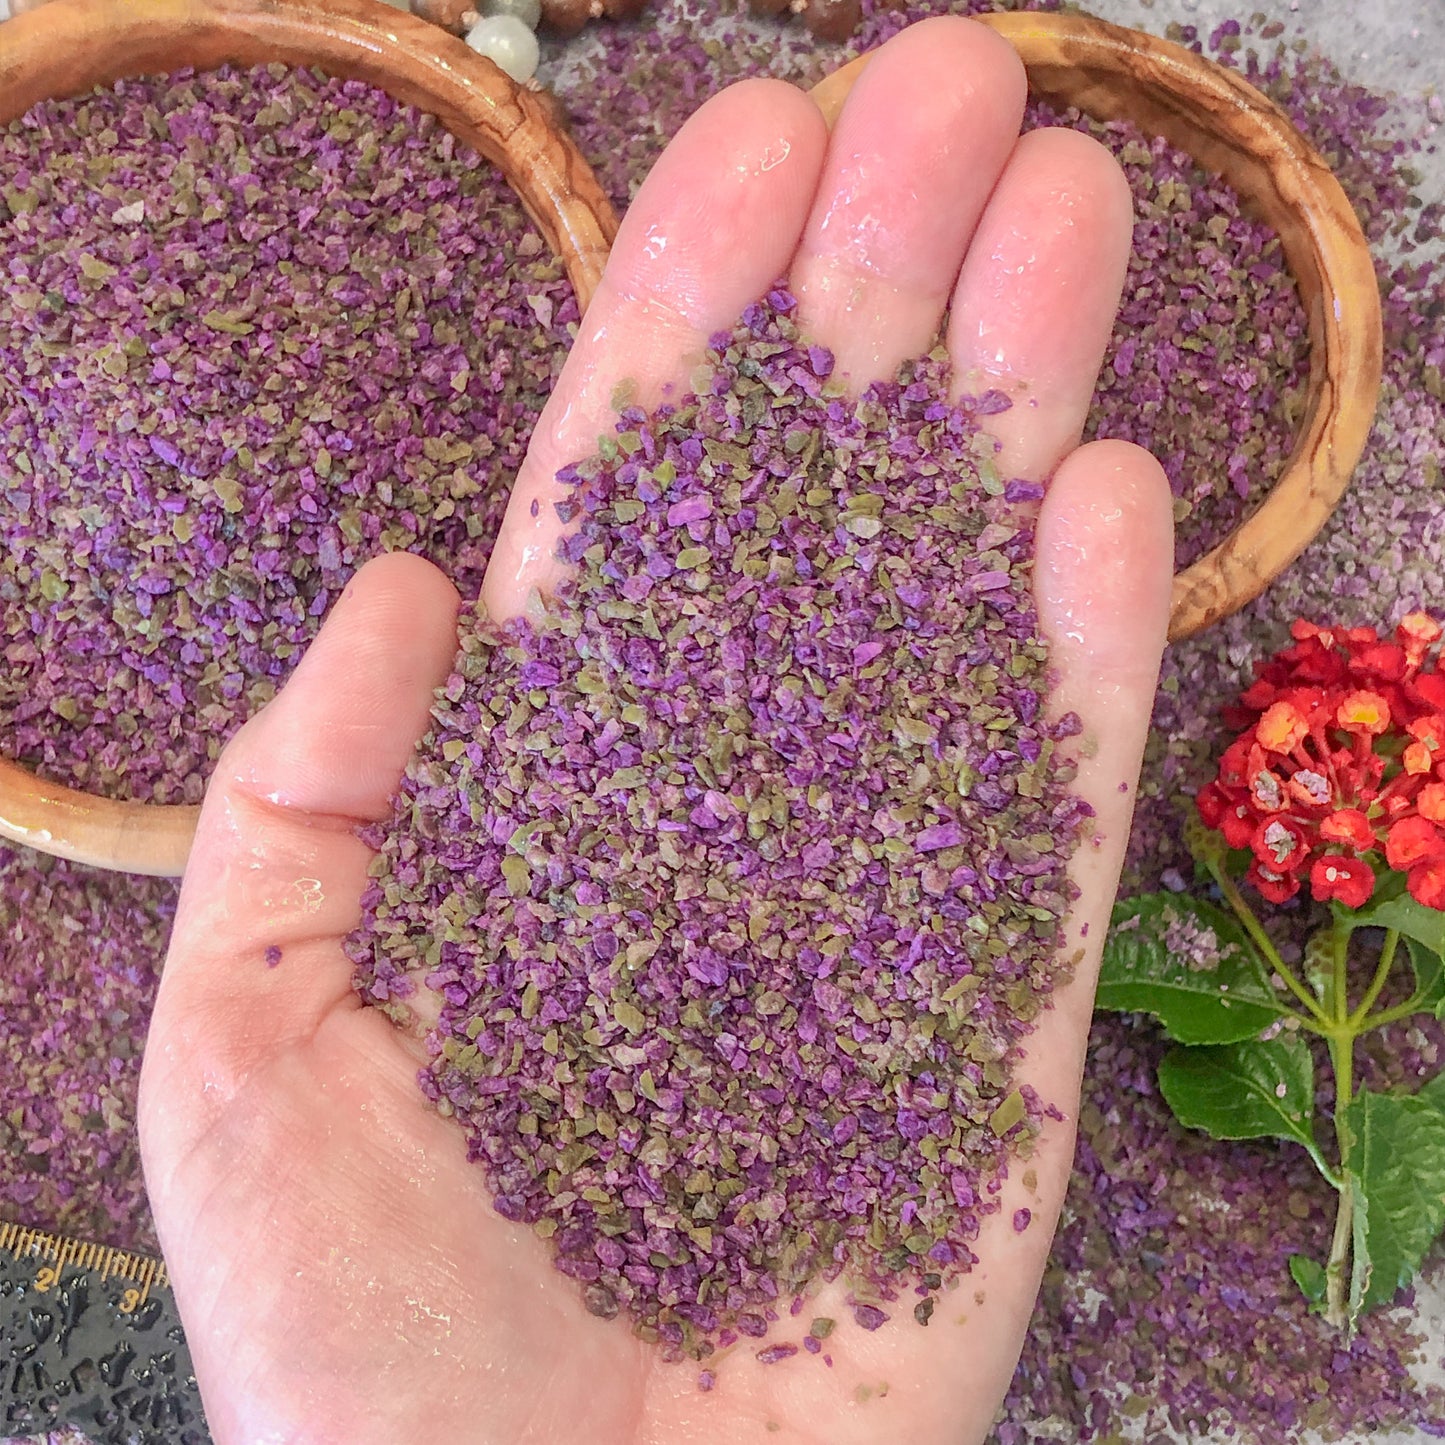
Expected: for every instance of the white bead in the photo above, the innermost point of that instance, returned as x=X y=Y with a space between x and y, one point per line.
x=508 y=44
x=529 y=12
x=4 y=9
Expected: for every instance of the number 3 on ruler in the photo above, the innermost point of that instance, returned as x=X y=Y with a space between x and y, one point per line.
x=49 y=1277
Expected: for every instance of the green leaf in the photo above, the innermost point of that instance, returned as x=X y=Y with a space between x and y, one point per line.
x=1141 y=974
x=1434 y=1092
x=1395 y=1161
x=1309 y=1276
x=1429 y=978
x=1247 y=1090
x=1414 y=920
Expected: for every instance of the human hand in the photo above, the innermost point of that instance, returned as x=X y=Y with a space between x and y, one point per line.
x=336 y=1258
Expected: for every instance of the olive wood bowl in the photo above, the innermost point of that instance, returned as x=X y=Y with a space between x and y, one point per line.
x=69 y=46
x=1112 y=73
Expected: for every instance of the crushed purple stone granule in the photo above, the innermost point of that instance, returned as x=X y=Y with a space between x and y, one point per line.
x=256 y=327
x=273 y=956
x=1022 y=1219
x=775 y=1354
x=740 y=877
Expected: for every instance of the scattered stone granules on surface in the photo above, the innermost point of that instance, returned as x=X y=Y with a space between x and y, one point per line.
x=80 y=954
x=1168 y=1313
x=255 y=328
x=741 y=875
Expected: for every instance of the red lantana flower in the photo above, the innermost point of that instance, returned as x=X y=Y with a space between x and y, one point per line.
x=1351 y=880
x=1413 y=840
x=1280 y=844
x=1338 y=771
x=1277 y=887
x=1348 y=825
x=1427 y=884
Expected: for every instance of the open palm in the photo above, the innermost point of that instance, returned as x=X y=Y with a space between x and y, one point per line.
x=338 y=1264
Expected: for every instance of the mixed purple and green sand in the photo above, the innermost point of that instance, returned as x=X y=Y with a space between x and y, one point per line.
x=1167 y=1310
x=257 y=328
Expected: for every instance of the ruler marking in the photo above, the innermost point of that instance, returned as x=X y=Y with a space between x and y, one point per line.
x=56 y=1253
x=147 y=1274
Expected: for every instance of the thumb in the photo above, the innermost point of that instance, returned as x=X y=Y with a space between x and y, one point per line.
x=276 y=873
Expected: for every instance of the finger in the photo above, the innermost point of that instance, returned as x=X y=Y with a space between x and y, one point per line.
x=920 y=143
x=1038 y=292
x=1103 y=575
x=714 y=225
x=277 y=870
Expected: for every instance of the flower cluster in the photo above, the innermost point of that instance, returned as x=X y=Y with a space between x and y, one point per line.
x=1339 y=770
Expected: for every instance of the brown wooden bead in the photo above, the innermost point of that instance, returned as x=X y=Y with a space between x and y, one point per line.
x=833 y=19
x=623 y=9
x=768 y=7
x=566 y=17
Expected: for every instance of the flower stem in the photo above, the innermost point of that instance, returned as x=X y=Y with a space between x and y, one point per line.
x=1342 y=1061
x=1391 y=1015
x=1339 y=1000
x=1382 y=972
x=1338 y=1269
x=1264 y=943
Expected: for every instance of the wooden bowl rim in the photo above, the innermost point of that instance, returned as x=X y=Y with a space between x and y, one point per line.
x=1319 y=230
x=87 y=43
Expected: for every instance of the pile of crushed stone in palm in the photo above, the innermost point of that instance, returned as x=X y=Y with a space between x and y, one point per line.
x=740 y=870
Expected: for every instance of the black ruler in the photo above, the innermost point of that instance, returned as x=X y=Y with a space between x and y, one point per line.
x=90 y=1340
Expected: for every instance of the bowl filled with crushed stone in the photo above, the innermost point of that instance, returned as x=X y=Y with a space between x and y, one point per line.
x=287 y=290
x=1110 y=73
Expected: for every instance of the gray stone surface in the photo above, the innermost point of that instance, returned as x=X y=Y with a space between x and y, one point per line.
x=1392 y=45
